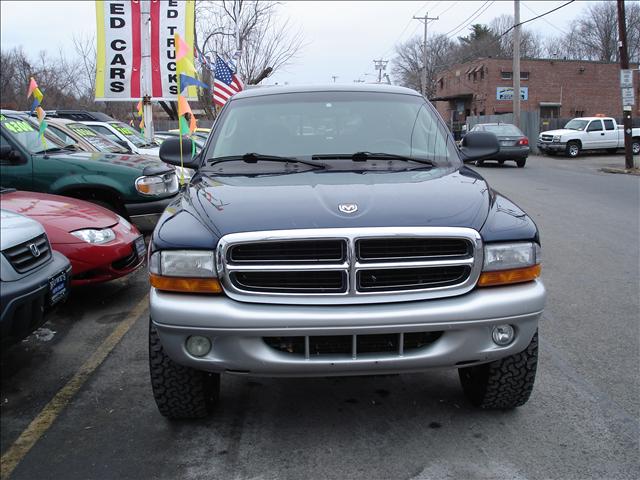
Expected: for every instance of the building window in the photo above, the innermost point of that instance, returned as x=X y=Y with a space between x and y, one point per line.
x=524 y=75
x=482 y=74
x=507 y=75
x=579 y=113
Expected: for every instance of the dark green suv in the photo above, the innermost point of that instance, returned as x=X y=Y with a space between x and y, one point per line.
x=135 y=186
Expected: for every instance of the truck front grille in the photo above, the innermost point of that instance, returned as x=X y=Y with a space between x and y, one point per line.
x=352 y=346
x=360 y=265
x=29 y=255
x=547 y=138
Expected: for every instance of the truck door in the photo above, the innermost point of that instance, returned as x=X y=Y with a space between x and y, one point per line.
x=15 y=165
x=595 y=136
x=611 y=134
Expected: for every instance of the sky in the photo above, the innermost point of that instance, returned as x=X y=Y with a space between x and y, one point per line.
x=341 y=38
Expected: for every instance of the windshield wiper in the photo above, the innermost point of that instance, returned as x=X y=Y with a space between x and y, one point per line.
x=253 y=157
x=50 y=150
x=364 y=156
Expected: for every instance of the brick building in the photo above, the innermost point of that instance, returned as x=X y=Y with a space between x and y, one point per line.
x=555 y=88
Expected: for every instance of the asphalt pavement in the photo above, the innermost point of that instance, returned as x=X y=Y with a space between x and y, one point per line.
x=76 y=403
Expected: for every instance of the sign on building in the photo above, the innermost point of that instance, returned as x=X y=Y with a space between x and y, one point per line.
x=506 y=93
x=119 y=47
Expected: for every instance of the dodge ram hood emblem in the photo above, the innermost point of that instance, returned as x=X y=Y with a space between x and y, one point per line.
x=348 y=207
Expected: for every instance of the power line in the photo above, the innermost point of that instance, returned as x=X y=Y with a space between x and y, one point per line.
x=475 y=17
x=545 y=20
x=405 y=28
x=448 y=8
x=463 y=23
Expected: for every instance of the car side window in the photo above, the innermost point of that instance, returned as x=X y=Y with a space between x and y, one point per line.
x=63 y=136
x=608 y=124
x=15 y=158
x=105 y=131
x=595 y=126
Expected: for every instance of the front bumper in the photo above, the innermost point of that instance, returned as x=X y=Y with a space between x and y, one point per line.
x=24 y=301
x=145 y=215
x=553 y=147
x=237 y=329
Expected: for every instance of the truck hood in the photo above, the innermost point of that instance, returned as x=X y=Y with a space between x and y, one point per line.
x=16 y=229
x=562 y=131
x=437 y=197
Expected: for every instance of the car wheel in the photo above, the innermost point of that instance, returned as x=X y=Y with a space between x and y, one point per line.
x=479 y=163
x=521 y=162
x=180 y=392
x=573 y=149
x=635 y=146
x=506 y=383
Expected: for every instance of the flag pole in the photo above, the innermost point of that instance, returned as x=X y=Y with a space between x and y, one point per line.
x=145 y=20
x=180 y=131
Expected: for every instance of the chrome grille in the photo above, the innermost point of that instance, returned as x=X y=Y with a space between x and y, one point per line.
x=22 y=257
x=359 y=265
x=547 y=138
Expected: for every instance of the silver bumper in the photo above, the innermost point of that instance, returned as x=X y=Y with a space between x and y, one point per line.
x=236 y=330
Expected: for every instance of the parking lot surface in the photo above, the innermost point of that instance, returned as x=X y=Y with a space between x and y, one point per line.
x=76 y=401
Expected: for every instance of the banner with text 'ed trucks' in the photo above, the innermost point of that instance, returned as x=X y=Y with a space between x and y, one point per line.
x=119 y=47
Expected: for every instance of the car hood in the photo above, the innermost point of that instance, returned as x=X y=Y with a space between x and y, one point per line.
x=562 y=131
x=59 y=215
x=437 y=197
x=138 y=162
x=16 y=229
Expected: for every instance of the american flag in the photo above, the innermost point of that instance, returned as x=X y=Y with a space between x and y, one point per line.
x=225 y=84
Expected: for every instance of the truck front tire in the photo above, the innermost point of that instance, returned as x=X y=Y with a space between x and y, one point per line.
x=180 y=392
x=504 y=384
x=573 y=149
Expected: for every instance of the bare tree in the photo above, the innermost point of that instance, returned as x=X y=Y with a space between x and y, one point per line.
x=85 y=48
x=264 y=39
x=407 y=65
x=531 y=42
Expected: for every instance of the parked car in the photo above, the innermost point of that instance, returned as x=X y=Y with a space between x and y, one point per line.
x=514 y=145
x=82 y=137
x=361 y=250
x=113 y=129
x=134 y=186
x=33 y=277
x=100 y=244
x=587 y=133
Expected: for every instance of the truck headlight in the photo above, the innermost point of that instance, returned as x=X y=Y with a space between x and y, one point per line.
x=189 y=271
x=506 y=263
x=96 y=236
x=556 y=138
x=153 y=185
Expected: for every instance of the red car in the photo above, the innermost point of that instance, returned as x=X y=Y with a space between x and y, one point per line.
x=100 y=244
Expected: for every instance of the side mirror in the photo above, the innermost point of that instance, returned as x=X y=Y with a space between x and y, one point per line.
x=170 y=153
x=479 y=145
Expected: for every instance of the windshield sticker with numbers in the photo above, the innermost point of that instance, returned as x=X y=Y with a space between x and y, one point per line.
x=17 y=126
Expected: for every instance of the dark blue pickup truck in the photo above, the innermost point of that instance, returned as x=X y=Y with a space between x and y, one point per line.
x=336 y=231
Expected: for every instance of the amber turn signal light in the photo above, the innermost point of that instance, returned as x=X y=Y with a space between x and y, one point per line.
x=505 y=277
x=185 y=284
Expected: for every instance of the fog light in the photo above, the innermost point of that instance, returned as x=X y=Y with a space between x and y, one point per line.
x=503 y=334
x=198 y=346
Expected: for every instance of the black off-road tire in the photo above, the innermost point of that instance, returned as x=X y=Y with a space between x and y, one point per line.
x=572 y=149
x=521 y=162
x=180 y=392
x=504 y=384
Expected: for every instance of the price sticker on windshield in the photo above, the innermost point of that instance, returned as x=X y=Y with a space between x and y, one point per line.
x=83 y=131
x=124 y=130
x=17 y=126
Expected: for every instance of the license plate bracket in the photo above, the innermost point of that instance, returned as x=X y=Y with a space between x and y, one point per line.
x=140 y=247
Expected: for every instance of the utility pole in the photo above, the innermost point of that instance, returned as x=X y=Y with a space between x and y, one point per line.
x=423 y=81
x=516 y=63
x=145 y=64
x=380 y=65
x=625 y=84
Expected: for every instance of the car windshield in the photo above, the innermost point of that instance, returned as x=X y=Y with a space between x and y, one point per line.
x=25 y=132
x=504 y=130
x=133 y=136
x=310 y=125
x=100 y=142
x=576 y=124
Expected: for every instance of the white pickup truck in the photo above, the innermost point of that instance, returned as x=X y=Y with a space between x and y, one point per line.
x=587 y=133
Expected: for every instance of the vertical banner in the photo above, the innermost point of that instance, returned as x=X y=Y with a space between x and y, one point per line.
x=169 y=17
x=118 y=50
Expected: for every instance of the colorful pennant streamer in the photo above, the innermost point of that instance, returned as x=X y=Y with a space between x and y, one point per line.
x=34 y=91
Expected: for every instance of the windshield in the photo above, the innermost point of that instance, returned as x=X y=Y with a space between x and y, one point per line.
x=302 y=125
x=503 y=130
x=133 y=136
x=25 y=132
x=576 y=124
x=100 y=142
